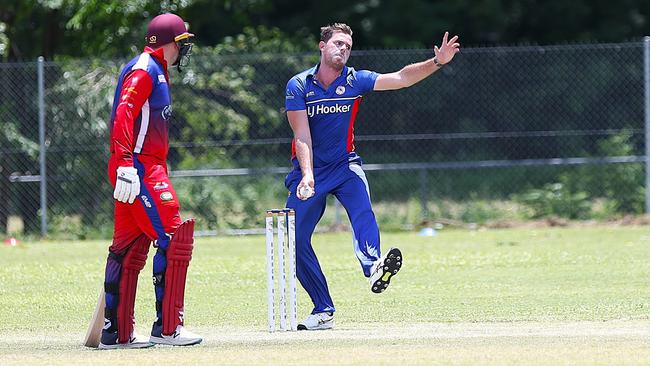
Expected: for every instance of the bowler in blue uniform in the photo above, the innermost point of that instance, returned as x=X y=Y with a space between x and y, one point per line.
x=322 y=104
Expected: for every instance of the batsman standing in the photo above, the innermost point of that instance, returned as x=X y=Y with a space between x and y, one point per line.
x=146 y=206
x=322 y=103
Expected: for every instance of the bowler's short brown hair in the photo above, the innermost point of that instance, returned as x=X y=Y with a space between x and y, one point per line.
x=327 y=31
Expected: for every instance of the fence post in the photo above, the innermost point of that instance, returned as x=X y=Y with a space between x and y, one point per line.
x=41 y=142
x=646 y=95
x=424 y=194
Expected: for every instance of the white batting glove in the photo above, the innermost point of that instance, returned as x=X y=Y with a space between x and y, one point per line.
x=127 y=186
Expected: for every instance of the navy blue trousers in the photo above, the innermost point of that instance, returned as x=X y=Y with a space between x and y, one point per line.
x=347 y=182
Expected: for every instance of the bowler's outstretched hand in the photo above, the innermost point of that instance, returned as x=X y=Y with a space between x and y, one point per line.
x=445 y=53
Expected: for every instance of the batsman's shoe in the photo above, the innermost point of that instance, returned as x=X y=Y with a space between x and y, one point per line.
x=180 y=337
x=386 y=267
x=109 y=341
x=317 y=321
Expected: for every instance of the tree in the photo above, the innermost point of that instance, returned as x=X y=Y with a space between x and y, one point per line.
x=94 y=28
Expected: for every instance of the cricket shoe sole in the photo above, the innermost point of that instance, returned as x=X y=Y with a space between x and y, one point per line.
x=387 y=267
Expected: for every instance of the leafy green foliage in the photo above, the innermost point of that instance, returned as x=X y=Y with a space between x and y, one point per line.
x=228 y=113
x=79 y=98
x=556 y=200
x=90 y=28
x=620 y=185
x=222 y=203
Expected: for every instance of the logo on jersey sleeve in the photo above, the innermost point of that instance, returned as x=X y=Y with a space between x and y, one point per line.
x=289 y=95
x=167 y=112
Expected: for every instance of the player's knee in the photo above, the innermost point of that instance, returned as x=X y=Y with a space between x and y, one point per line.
x=136 y=257
x=182 y=243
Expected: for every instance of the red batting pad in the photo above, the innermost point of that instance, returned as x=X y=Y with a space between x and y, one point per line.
x=179 y=254
x=133 y=262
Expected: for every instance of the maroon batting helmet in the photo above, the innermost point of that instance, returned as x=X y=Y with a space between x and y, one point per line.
x=166 y=28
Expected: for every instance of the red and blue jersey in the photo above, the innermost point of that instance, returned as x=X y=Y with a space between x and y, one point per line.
x=331 y=113
x=141 y=110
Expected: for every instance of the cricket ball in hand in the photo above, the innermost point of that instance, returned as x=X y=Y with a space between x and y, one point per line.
x=306 y=192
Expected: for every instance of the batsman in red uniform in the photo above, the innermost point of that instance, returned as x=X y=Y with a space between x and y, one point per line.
x=146 y=205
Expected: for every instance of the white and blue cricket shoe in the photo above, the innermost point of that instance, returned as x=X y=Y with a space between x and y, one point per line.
x=318 y=321
x=180 y=337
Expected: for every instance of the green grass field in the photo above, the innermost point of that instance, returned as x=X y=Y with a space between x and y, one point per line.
x=525 y=296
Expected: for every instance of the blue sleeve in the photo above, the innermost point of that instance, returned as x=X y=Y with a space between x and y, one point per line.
x=295 y=95
x=366 y=80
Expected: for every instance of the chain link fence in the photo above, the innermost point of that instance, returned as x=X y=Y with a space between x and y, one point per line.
x=499 y=134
